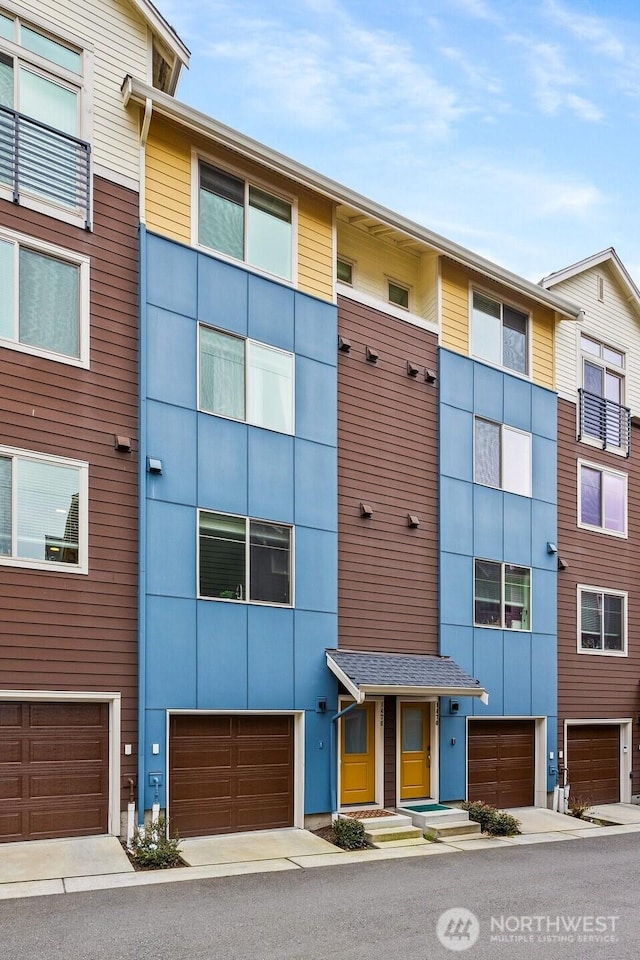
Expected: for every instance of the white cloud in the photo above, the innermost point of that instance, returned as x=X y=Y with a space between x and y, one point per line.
x=479 y=79
x=591 y=30
x=554 y=80
x=479 y=9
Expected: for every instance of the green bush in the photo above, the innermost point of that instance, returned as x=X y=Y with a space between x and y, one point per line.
x=152 y=848
x=348 y=833
x=497 y=823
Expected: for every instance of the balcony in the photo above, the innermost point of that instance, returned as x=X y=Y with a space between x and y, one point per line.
x=604 y=421
x=43 y=162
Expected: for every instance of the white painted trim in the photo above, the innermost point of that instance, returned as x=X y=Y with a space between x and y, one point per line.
x=378 y=733
x=605 y=256
x=540 y=754
x=626 y=749
x=621 y=535
x=383 y=306
x=121 y=179
x=589 y=588
x=503 y=427
x=434 y=748
x=501 y=626
x=346 y=681
x=298 y=750
x=89 y=696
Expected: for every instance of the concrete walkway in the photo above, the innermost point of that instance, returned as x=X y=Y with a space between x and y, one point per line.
x=99 y=863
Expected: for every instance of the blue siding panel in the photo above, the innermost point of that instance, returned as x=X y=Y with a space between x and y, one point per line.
x=178 y=454
x=456 y=457
x=316 y=563
x=545 y=472
x=314 y=633
x=171 y=549
x=544 y=688
x=544 y=413
x=223 y=292
x=171 y=358
x=271 y=311
x=544 y=530
x=222 y=464
x=318 y=731
x=488 y=392
x=172 y=276
x=270 y=658
x=156 y=727
x=456 y=505
x=222 y=656
x=487 y=522
x=270 y=475
x=517 y=403
x=456 y=590
x=316 y=472
x=456 y=380
x=488 y=668
x=545 y=601
x=453 y=758
x=316 y=330
x=517 y=674
x=316 y=401
x=171 y=652
x=457 y=643
x=517 y=524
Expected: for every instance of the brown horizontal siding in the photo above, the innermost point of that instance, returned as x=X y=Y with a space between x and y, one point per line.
x=71 y=631
x=387 y=456
x=592 y=686
x=390 y=752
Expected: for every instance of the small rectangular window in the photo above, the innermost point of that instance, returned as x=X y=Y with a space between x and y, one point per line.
x=230 y=571
x=398 y=295
x=603 y=499
x=245 y=222
x=502 y=595
x=246 y=380
x=502 y=457
x=600 y=288
x=602 y=624
x=344 y=272
x=499 y=333
x=43 y=506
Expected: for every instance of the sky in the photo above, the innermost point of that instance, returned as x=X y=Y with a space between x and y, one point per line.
x=511 y=127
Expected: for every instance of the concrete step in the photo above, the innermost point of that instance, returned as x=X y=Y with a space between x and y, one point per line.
x=455 y=828
x=384 y=834
x=426 y=820
x=374 y=823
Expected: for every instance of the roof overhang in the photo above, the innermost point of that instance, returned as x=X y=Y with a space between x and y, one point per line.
x=136 y=92
x=608 y=256
x=152 y=16
x=352 y=678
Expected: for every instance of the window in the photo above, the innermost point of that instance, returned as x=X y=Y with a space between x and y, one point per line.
x=602 y=621
x=245 y=222
x=246 y=380
x=398 y=295
x=44 y=308
x=603 y=416
x=602 y=499
x=244 y=559
x=502 y=595
x=344 y=271
x=41 y=82
x=499 y=333
x=502 y=457
x=43 y=511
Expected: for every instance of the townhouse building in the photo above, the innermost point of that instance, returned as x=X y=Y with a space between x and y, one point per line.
x=69 y=185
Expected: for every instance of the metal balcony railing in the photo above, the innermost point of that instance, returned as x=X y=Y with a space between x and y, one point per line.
x=604 y=420
x=44 y=162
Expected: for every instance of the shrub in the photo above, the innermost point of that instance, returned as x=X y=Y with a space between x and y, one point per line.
x=578 y=806
x=152 y=848
x=497 y=823
x=349 y=833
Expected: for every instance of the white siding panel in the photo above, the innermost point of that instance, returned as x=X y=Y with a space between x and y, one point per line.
x=612 y=321
x=120 y=43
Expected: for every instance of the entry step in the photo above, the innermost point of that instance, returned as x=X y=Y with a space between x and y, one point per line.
x=455 y=828
x=387 y=834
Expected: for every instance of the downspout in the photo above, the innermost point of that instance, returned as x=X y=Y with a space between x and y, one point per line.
x=144 y=134
x=142 y=520
x=332 y=751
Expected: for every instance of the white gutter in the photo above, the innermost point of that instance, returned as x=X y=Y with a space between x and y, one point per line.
x=135 y=91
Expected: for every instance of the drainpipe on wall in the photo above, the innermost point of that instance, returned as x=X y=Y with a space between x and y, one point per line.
x=332 y=751
x=142 y=524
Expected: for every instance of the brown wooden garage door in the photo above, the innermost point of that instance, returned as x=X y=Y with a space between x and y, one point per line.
x=230 y=773
x=54 y=770
x=502 y=762
x=593 y=762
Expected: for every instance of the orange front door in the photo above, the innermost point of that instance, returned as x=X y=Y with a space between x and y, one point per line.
x=358 y=756
x=415 y=751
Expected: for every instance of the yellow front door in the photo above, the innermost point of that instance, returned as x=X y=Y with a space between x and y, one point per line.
x=415 y=751
x=358 y=756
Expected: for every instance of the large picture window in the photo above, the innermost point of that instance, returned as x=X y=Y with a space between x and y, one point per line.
x=245 y=222
x=244 y=559
x=499 y=333
x=246 y=380
x=502 y=457
x=602 y=621
x=43 y=511
x=502 y=595
x=602 y=500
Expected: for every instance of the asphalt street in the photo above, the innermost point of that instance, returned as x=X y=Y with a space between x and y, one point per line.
x=567 y=900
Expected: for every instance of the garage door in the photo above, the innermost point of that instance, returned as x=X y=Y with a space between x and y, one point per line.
x=230 y=773
x=54 y=770
x=593 y=762
x=502 y=762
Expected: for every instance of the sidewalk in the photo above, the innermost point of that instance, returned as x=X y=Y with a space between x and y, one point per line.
x=262 y=852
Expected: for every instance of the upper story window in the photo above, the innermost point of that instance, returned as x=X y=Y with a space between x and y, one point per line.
x=41 y=84
x=602 y=499
x=602 y=621
x=603 y=416
x=43 y=511
x=398 y=294
x=344 y=271
x=44 y=305
x=245 y=222
x=499 y=333
x=502 y=595
x=246 y=380
x=244 y=559
x=502 y=457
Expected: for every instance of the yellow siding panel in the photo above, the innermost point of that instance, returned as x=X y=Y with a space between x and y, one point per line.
x=543 y=348
x=168 y=183
x=315 y=246
x=455 y=308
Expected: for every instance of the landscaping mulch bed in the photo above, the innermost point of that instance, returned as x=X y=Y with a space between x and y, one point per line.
x=368 y=814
